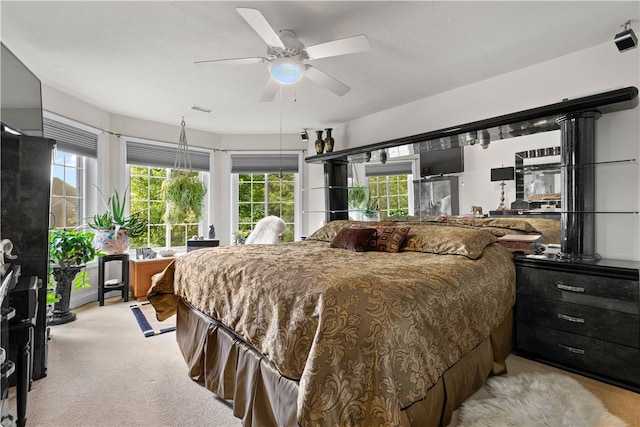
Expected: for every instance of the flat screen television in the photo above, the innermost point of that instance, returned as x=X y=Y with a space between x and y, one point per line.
x=20 y=96
x=441 y=162
x=503 y=174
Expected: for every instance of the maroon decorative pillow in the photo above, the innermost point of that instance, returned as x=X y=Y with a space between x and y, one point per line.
x=387 y=239
x=355 y=239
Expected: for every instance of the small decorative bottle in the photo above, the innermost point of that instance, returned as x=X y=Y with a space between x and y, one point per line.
x=319 y=142
x=328 y=141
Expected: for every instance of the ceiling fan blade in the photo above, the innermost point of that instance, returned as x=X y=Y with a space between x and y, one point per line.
x=326 y=81
x=232 y=61
x=261 y=26
x=353 y=44
x=270 y=90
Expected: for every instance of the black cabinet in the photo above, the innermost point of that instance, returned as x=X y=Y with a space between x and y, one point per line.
x=584 y=317
x=26 y=168
x=7 y=367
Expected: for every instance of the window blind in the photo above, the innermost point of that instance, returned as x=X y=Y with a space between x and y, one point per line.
x=388 y=169
x=71 y=139
x=146 y=154
x=264 y=163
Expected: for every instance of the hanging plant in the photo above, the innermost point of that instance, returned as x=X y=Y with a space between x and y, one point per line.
x=185 y=195
x=357 y=194
x=357 y=197
x=183 y=191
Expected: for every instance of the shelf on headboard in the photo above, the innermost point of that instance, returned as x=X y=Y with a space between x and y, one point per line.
x=526 y=122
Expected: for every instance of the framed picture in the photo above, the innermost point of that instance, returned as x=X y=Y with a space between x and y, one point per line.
x=436 y=196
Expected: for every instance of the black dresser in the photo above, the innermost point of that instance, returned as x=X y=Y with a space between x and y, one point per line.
x=583 y=317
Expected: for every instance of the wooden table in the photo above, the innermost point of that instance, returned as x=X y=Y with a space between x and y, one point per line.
x=140 y=272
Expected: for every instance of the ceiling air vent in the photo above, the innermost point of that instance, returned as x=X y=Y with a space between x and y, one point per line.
x=202 y=109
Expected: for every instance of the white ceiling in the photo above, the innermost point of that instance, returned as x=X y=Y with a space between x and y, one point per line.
x=136 y=58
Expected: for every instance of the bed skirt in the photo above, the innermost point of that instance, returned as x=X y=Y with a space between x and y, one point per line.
x=234 y=370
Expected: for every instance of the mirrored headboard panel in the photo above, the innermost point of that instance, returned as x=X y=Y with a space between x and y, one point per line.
x=538 y=179
x=574 y=118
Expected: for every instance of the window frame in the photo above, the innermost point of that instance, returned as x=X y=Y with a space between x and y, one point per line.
x=167 y=227
x=387 y=196
x=207 y=178
x=297 y=183
x=356 y=170
x=80 y=169
x=90 y=169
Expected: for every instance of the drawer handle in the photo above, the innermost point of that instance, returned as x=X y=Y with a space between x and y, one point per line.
x=571 y=349
x=570 y=318
x=564 y=287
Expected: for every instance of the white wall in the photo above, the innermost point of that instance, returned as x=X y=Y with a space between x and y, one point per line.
x=582 y=73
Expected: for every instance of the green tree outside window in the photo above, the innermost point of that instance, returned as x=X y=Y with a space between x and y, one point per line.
x=260 y=195
x=145 y=184
x=392 y=193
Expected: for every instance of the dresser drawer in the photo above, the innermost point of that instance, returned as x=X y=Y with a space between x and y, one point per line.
x=598 y=357
x=606 y=325
x=596 y=291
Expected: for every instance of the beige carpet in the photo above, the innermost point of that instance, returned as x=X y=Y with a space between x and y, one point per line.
x=102 y=371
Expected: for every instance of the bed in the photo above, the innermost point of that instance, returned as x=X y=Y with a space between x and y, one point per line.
x=313 y=335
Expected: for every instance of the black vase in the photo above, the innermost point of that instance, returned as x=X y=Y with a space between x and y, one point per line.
x=319 y=142
x=328 y=141
x=64 y=280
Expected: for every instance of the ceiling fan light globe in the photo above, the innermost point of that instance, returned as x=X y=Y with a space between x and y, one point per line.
x=286 y=70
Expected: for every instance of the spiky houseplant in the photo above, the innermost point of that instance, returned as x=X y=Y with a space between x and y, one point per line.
x=115 y=218
x=116 y=229
x=69 y=252
x=371 y=209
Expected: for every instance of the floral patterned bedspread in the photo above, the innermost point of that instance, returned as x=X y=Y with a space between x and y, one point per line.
x=365 y=333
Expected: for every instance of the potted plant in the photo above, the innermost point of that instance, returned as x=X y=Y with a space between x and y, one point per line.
x=114 y=230
x=239 y=237
x=357 y=200
x=370 y=212
x=184 y=193
x=357 y=196
x=69 y=251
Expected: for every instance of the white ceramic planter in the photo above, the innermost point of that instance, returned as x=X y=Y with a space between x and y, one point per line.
x=111 y=243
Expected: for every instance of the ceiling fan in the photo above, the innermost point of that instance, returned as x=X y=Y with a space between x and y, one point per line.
x=285 y=56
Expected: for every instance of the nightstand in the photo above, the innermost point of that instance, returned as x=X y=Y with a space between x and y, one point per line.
x=140 y=272
x=583 y=317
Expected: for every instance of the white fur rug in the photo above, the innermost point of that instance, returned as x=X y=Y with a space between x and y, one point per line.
x=532 y=400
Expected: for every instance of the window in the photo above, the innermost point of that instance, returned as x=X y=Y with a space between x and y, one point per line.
x=150 y=164
x=146 y=200
x=260 y=195
x=389 y=184
x=67 y=190
x=392 y=193
x=76 y=149
x=265 y=184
